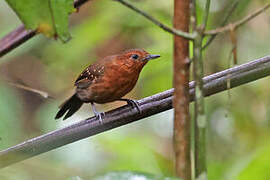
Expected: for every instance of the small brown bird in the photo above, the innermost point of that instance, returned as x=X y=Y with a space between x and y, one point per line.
x=107 y=80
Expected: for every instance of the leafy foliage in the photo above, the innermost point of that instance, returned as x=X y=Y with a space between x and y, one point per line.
x=49 y=17
x=239 y=124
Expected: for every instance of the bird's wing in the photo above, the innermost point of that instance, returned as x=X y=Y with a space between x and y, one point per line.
x=89 y=75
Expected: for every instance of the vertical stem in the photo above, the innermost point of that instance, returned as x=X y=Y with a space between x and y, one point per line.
x=205 y=17
x=199 y=116
x=193 y=18
x=181 y=93
x=224 y=21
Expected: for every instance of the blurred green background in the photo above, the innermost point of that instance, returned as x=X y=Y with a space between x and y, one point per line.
x=238 y=120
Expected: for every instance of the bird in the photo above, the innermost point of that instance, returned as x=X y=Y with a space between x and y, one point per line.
x=107 y=80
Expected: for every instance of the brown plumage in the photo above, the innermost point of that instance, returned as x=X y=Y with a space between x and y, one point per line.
x=107 y=80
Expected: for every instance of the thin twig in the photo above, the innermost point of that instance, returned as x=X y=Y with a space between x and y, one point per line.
x=156 y=22
x=21 y=35
x=39 y=92
x=225 y=20
x=239 y=23
x=213 y=84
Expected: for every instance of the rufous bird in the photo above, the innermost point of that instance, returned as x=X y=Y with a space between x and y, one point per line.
x=107 y=80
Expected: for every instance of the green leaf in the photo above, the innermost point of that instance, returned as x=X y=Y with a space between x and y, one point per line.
x=61 y=10
x=49 y=17
x=129 y=175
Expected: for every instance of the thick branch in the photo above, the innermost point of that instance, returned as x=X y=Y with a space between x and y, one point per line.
x=181 y=94
x=14 y=39
x=21 y=35
x=124 y=115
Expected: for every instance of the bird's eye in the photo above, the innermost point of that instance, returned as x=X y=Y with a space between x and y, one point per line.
x=135 y=56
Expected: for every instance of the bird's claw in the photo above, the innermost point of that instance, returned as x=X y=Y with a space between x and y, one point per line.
x=99 y=116
x=134 y=104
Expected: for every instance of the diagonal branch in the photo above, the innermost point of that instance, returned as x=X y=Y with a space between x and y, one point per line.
x=239 y=23
x=14 y=39
x=225 y=20
x=156 y=22
x=35 y=91
x=160 y=102
x=21 y=35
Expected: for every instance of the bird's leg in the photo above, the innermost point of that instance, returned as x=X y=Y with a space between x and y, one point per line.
x=133 y=103
x=97 y=114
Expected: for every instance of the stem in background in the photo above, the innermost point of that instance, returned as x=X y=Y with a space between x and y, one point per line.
x=193 y=15
x=225 y=20
x=239 y=23
x=199 y=114
x=156 y=22
x=160 y=102
x=199 y=109
x=206 y=14
x=181 y=92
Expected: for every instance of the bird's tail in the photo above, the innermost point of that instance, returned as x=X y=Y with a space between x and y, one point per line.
x=70 y=106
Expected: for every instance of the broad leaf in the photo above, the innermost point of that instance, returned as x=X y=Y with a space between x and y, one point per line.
x=49 y=17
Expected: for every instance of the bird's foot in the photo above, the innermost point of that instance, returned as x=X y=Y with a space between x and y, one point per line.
x=99 y=116
x=134 y=104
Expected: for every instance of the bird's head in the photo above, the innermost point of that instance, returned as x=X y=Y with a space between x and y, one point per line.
x=136 y=58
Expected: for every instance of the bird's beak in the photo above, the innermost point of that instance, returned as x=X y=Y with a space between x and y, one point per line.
x=152 y=56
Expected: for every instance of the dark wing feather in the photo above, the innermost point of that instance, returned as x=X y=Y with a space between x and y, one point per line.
x=90 y=74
